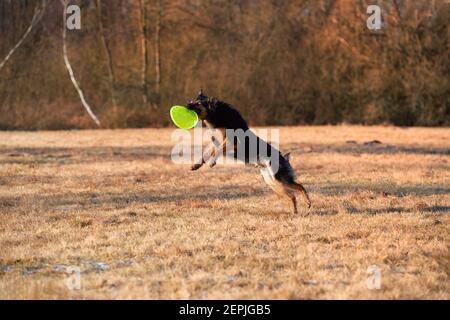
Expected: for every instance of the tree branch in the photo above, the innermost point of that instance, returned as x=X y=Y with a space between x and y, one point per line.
x=111 y=74
x=70 y=70
x=34 y=21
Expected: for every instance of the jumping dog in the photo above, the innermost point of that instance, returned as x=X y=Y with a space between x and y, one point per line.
x=275 y=167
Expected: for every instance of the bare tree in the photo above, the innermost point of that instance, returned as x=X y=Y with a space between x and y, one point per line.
x=329 y=8
x=144 y=59
x=397 y=9
x=158 y=49
x=105 y=43
x=69 y=67
x=38 y=13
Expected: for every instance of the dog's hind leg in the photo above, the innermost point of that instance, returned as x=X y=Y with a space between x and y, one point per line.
x=291 y=196
x=279 y=187
x=285 y=194
x=298 y=187
x=294 y=202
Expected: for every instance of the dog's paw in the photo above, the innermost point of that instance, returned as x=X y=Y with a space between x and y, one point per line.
x=308 y=211
x=196 y=166
x=305 y=214
x=212 y=164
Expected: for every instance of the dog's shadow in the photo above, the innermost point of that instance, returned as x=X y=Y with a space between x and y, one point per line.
x=88 y=200
x=372 y=211
x=67 y=202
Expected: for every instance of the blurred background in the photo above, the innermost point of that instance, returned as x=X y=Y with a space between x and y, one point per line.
x=279 y=62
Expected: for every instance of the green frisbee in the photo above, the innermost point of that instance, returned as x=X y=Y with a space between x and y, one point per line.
x=183 y=118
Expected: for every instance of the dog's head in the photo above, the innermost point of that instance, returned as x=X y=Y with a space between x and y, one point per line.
x=200 y=104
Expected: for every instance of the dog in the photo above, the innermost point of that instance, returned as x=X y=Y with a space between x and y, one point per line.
x=275 y=168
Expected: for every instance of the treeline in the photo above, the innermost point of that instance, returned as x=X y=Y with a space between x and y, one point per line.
x=280 y=62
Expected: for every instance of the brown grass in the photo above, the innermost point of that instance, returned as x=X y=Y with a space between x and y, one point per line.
x=139 y=226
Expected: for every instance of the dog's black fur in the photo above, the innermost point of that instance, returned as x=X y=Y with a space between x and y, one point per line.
x=217 y=114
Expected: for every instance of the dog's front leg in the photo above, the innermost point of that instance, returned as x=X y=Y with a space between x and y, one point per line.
x=206 y=156
x=221 y=149
x=196 y=166
x=199 y=164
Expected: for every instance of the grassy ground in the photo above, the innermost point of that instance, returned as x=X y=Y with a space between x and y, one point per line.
x=112 y=204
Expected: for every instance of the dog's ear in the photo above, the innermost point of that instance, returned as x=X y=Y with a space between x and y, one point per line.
x=201 y=96
x=287 y=156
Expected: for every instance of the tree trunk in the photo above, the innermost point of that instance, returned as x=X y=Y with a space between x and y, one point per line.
x=397 y=9
x=158 y=50
x=70 y=70
x=111 y=75
x=143 y=39
x=330 y=8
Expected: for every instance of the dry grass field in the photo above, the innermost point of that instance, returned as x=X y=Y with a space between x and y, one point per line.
x=112 y=203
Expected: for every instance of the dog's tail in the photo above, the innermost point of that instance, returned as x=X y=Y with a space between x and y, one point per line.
x=298 y=187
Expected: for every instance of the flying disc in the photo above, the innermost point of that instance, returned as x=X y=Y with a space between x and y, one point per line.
x=183 y=118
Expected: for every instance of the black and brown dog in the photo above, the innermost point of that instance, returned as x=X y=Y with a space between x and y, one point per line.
x=217 y=114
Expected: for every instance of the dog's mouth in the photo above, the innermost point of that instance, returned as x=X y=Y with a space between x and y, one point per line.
x=199 y=109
